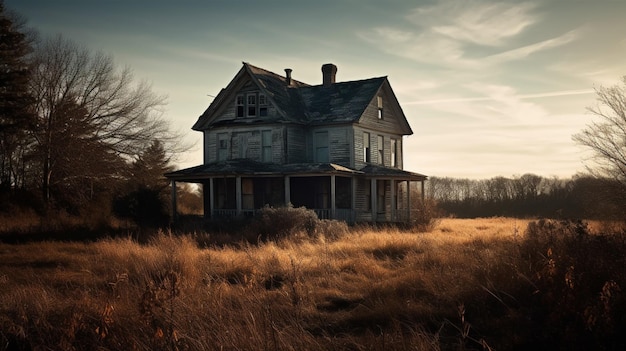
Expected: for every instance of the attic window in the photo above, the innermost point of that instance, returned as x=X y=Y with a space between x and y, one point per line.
x=251 y=105
x=262 y=105
x=379 y=101
x=240 y=105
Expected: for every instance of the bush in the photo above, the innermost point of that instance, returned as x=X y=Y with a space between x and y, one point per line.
x=276 y=223
x=578 y=280
x=272 y=223
x=427 y=215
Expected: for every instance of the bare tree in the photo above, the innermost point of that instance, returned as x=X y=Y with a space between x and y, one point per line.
x=606 y=137
x=122 y=116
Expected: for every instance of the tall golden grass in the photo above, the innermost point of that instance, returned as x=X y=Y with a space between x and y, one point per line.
x=463 y=285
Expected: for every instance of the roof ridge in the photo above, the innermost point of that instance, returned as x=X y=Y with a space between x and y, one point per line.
x=298 y=85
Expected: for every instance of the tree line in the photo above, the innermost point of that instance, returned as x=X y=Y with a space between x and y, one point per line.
x=529 y=195
x=77 y=132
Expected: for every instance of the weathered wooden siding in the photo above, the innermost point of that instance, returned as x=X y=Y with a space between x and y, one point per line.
x=358 y=153
x=340 y=144
x=296 y=144
x=392 y=115
x=246 y=142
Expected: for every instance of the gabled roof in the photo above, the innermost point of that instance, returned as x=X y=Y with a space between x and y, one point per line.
x=298 y=102
x=340 y=102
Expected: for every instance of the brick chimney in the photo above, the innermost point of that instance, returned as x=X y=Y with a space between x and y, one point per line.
x=288 y=75
x=329 y=71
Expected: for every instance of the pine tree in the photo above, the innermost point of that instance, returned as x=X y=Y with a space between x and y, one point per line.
x=16 y=103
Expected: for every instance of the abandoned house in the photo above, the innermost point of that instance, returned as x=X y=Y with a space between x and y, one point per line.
x=335 y=148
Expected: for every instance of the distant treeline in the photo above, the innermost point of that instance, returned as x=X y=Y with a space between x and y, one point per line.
x=529 y=195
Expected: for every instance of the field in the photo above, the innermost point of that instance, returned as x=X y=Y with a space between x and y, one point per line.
x=468 y=284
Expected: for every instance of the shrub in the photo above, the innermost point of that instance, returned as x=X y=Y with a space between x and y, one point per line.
x=272 y=223
x=578 y=281
x=426 y=216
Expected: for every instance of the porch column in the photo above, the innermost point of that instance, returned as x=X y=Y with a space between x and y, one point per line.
x=394 y=205
x=408 y=200
x=422 y=190
x=332 y=196
x=238 y=194
x=211 y=198
x=173 y=209
x=373 y=198
x=287 y=190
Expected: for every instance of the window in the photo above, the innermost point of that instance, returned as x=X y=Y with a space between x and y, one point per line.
x=321 y=147
x=380 y=196
x=240 y=105
x=251 y=105
x=379 y=102
x=266 y=146
x=394 y=153
x=366 y=147
x=262 y=105
x=381 y=149
x=247 y=194
x=222 y=146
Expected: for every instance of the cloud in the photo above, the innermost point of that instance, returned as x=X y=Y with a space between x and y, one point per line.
x=465 y=34
x=477 y=22
x=487 y=98
x=525 y=51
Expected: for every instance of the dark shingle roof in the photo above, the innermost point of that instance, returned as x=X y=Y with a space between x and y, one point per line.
x=298 y=102
x=339 y=102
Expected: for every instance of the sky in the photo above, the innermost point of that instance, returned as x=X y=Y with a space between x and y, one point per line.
x=490 y=88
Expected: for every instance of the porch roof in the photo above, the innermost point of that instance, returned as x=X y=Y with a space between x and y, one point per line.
x=372 y=171
x=252 y=168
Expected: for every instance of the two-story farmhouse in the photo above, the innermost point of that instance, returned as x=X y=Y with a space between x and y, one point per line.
x=336 y=148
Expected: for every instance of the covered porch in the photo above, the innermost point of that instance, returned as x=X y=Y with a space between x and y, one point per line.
x=239 y=188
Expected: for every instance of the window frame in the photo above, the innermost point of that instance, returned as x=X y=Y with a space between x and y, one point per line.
x=394 y=152
x=367 y=153
x=222 y=149
x=240 y=106
x=266 y=146
x=251 y=106
x=262 y=101
x=380 y=140
x=320 y=147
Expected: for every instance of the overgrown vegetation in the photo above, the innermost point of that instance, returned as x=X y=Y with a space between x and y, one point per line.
x=468 y=285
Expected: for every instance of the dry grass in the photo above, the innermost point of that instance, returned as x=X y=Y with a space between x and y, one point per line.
x=450 y=288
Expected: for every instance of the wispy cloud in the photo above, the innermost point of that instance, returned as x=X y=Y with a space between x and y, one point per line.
x=489 y=98
x=468 y=34
x=525 y=51
x=477 y=22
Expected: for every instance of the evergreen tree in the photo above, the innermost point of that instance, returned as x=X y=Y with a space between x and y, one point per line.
x=16 y=104
x=147 y=198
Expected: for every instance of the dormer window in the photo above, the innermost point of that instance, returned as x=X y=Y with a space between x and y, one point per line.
x=379 y=102
x=262 y=105
x=251 y=105
x=240 y=105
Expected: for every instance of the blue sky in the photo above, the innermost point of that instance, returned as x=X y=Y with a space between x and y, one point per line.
x=490 y=88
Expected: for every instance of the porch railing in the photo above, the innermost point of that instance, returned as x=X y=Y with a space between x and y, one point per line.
x=347 y=215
